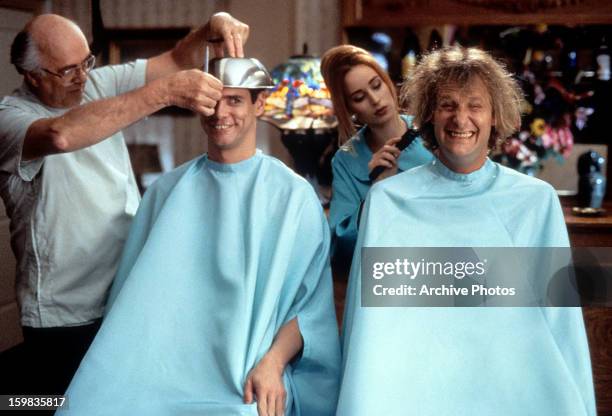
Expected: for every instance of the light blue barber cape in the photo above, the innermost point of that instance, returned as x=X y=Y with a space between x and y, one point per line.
x=219 y=257
x=462 y=361
x=351 y=184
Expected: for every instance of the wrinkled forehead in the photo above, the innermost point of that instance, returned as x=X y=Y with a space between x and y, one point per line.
x=472 y=86
x=57 y=36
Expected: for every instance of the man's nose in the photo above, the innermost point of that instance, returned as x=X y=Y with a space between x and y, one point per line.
x=221 y=109
x=80 y=75
x=461 y=116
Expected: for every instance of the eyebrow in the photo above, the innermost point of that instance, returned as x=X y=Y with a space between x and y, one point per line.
x=469 y=97
x=76 y=65
x=369 y=83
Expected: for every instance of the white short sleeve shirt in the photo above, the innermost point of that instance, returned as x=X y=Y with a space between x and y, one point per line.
x=69 y=212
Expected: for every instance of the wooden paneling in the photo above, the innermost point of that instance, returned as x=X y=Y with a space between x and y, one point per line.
x=589 y=231
x=596 y=232
x=9 y=322
x=599 y=330
x=437 y=12
x=31 y=6
x=11 y=22
x=10 y=331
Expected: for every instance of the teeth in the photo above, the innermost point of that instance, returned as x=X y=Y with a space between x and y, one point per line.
x=221 y=126
x=462 y=135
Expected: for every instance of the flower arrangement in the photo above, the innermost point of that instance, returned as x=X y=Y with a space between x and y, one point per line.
x=536 y=142
x=546 y=128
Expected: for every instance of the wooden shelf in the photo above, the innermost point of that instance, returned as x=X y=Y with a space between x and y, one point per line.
x=589 y=231
x=358 y=13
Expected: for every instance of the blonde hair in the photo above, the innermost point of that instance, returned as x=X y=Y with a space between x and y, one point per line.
x=459 y=65
x=336 y=62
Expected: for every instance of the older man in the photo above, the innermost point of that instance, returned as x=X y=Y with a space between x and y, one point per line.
x=223 y=295
x=66 y=179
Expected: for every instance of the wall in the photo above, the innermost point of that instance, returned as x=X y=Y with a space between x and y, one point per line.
x=11 y=22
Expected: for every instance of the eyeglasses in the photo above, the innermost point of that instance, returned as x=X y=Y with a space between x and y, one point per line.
x=67 y=74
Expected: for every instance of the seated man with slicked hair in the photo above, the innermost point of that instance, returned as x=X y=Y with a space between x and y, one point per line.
x=223 y=296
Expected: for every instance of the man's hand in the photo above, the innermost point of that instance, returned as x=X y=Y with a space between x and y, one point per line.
x=387 y=157
x=265 y=383
x=227 y=32
x=170 y=80
x=194 y=90
x=222 y=29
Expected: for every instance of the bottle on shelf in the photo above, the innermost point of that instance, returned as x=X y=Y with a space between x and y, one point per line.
x=410 y=52
x=602 y=91
x=435 y=41
x=602 y=59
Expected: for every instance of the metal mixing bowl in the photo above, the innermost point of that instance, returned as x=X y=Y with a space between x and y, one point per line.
x=246 y=73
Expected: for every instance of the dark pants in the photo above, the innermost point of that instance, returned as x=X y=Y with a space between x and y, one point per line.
x=47 y=359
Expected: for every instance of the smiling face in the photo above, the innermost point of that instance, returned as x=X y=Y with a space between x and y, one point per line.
x=231 y=129
x=462 y=122
x=368 y=96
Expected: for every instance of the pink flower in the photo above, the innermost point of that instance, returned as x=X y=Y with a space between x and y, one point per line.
x=511 y=147
x=561 y=140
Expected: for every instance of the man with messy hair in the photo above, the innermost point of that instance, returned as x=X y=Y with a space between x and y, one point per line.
x=432 y=361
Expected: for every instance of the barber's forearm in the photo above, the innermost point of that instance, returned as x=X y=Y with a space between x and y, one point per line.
x=91 y=123
x=287 y=344
x=187 y=54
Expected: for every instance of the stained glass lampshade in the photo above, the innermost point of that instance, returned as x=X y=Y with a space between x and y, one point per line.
x=301 y=108
x=300 y=100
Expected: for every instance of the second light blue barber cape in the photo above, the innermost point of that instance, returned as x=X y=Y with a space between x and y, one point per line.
x=352 y=182
x=462 y=361
x=219 y=257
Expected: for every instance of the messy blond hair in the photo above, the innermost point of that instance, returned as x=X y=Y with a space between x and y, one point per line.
x=458 y=66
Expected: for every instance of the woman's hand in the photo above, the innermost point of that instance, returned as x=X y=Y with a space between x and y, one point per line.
x=386 y=157
x=265 y=383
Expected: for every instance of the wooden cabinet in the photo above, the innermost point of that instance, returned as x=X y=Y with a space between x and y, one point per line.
x=10 y=330
x=589 y=231
x=598 y=323
x=596 y=232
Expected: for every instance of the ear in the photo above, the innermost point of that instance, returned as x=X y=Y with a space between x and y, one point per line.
x=260 y=103
x=31 y=79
